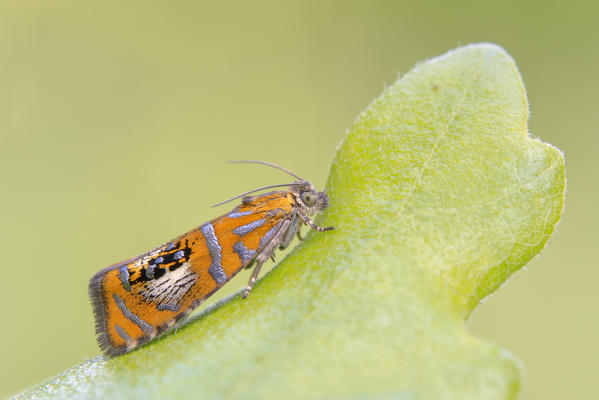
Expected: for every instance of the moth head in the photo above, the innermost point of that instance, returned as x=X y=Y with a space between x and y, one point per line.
x=308 y=199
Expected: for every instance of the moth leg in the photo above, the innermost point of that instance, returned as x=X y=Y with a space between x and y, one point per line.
x=299 y=236
x=313 y=225
x=253 y=279
x=290 y=232
x=265 y=254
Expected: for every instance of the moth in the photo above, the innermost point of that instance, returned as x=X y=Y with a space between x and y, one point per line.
x=137 y=299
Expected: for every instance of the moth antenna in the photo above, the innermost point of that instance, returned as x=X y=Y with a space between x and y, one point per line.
x=251 y=191
x=267 y=164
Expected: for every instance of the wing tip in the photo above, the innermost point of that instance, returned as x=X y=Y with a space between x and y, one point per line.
x=97 y=299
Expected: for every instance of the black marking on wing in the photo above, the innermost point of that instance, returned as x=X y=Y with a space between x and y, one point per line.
x=171 y=256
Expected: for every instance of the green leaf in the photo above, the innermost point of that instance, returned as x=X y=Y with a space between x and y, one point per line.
x=438 y=194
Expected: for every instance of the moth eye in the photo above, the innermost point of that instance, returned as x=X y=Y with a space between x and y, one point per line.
x=308 y=199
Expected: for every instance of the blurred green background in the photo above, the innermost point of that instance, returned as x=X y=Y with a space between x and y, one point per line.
x=116 y=119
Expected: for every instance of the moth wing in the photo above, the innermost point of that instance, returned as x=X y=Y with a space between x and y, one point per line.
x=137 y=299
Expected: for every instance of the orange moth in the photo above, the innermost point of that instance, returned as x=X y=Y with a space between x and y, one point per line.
x=137 y=299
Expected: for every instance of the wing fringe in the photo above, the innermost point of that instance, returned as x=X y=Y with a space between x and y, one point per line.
x=97 y=298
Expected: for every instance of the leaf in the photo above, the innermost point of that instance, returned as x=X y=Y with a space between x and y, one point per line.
x=438 y=195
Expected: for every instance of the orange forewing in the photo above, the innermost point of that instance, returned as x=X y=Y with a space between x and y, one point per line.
x=139 y=298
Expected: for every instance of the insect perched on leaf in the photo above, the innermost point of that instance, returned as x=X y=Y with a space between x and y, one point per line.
x=140 y=298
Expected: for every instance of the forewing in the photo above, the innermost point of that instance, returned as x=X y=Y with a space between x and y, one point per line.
x=137 y=299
